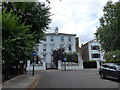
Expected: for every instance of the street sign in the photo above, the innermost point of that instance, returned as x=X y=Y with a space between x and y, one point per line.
x=65 y=59
x=34 y=53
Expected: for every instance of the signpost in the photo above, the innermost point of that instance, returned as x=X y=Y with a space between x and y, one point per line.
x=33 y=54
x=65 y=62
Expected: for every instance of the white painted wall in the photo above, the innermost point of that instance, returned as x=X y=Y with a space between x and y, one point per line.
x=36 y=67
x=55 y=44
x=70 y=67
x=95 y=43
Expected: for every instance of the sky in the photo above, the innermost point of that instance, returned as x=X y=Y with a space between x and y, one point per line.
x=80 y=17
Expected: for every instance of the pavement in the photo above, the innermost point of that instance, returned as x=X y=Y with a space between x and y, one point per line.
x=22 y=81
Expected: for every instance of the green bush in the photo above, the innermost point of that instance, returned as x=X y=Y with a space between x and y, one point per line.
x=111 y=61
x=113 y=56
x=90 y=61
x=71 y=57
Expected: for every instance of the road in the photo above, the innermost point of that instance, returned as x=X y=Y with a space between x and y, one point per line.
x=74 y=79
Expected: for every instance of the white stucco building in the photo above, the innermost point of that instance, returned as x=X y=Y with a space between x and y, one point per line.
x=91 y=51
x=53 y=41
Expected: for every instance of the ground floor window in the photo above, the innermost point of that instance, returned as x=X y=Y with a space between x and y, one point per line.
x=44 y=56
x=95 y=55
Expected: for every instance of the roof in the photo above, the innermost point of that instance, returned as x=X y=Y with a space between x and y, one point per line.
x=89 y=42
x=60 y=34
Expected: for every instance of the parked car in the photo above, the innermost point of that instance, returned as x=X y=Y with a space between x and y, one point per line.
x=110 y=70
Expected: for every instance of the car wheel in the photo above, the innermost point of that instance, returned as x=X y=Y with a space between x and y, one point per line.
x=102 y=76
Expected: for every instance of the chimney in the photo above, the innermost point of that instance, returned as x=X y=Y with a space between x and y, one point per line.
x=56 y=30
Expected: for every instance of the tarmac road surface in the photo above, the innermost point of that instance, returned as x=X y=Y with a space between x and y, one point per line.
x=87 y=78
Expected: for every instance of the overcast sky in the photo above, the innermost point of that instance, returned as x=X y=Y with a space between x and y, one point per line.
x=80 y=17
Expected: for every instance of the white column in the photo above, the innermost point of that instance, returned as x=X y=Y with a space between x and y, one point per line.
x=59 y=65
x=98 y=64
x=81 y=64
x=79 y=58
x=28 y=65
x=44 y=65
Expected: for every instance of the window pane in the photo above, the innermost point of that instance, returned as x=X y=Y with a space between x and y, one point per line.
x=95 y=47
x=52 y=38
x=52 y=47
x=62 y=39
x=44 y=47
x=45 y=39
x=95 y=55
x=44 y=56
x=69 y=47
x=61 y=46
x=69 y=39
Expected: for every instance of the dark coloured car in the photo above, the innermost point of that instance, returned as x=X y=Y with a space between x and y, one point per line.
x=110 y=70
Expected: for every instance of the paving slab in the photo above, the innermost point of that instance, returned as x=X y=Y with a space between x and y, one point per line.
x=22 y=81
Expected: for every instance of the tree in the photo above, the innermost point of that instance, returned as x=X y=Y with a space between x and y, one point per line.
x=113 y=56
x=35 y=14
x=16 y=42
x=58 y=54
x=71 y=57
x=108 y=33
x=23 y=25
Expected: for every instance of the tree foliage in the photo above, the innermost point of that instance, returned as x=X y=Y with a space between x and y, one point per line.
x=108 y=33
x=71 y=57
x=35 y=14
x=16 y=42
x=60 y=54
x=113 y=56
x=23 y=25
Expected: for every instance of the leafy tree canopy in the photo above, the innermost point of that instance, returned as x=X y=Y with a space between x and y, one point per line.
x=16 y=42
x=60 y=54
x=35 y=14
x=23 y=25
x=108 y=33
x=113 y=56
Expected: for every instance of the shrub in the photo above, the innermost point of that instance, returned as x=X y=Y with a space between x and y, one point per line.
x=113 y=56
x=71 y=57
x=90 y=61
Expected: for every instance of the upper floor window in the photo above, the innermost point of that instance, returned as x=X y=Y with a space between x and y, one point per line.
x=44 y=47
x=61 y=46
x=95 y=55
x=52 y=38
x=62 y=39
x=44 y=56
x=69 y=47
x=45 y=39
x=95 y=47
x=52 y=47
x=69 y=39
